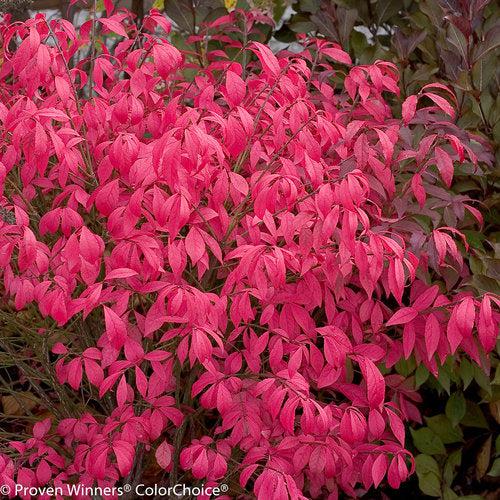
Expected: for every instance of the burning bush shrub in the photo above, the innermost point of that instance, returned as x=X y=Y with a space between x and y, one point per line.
x=217 y=273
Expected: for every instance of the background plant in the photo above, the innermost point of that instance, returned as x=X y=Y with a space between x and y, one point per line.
x=230 y=264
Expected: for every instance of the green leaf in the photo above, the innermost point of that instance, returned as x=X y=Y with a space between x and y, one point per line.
x=455 y=408
x=481 y=379
x=430 y=484
x=474 y=416
x=406 y=366
x=453 y=461
x=421 y=375
x=433 y=11
x=444 y=380
x=428 y=475
x=301 y=25
x=475 y=239
x=496 y=378
x=181 y=13
x=309 y=6
x=385 y=9
x=466 y=372
x=187 y=13
x=346 y=20
x=427 y=441
x=495 y=469
x=426 y=463
x=476 y=264
x=278 y=10
x=442 y=427
x=449 y=494
x=490 y=43
x=359 y=43
x=486 y=284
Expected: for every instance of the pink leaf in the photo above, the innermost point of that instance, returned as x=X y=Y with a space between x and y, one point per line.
x=122 y=272
x=403 y=316
x=113 y=25
x=167 y=58
x=486 y=326
x=337 y=54
x=195 y=246
x=442 y=103
x=268 y=60
x=124 y=453
x=445 y=165
x=418 y=189
x=379 y=469
x=375 y=385
x=409 y=108
x=163 y=455
x=116 y=328
x=432 y=335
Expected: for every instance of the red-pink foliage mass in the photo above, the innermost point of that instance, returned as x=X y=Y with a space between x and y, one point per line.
x=247 y=239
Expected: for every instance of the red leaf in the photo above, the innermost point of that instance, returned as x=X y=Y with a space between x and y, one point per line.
x=167 y=58
x=432 y=335
x=379 y=469
x=163 y=455
x=486 y=326
x=375 y=385
x=268 y=60
x=409 y=108
x=441 y=103
x=445 y=165
x=122 y=272
x=116 y=328
x=124 y=453
x=466 y=316
x=109 y=6
x=404 y=315
x=195 y=246
x=418 y=189
x=112 y=25
x=396 y=426
x=337 y=54
x=236 y=88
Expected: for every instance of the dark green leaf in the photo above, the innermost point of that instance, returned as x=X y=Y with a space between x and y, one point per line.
x=428 y=473
x=474 y=417
x=444 y=380
x=455 y=408
x=385 y=9
x=490 y=43
x=346 y=19
x=466 y=372
x=449 y=494
x=495 y=468
x=427 y=441
x=482 y=380
x=452 y=462
x=430 y=484
x=442 y=427
x=421 y=375
x=425 y=464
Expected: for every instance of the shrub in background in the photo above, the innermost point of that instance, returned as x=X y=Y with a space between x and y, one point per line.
x=216 y=263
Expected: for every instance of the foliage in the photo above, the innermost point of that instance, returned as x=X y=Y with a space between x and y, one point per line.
x=220 y=263
x=454 y=41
